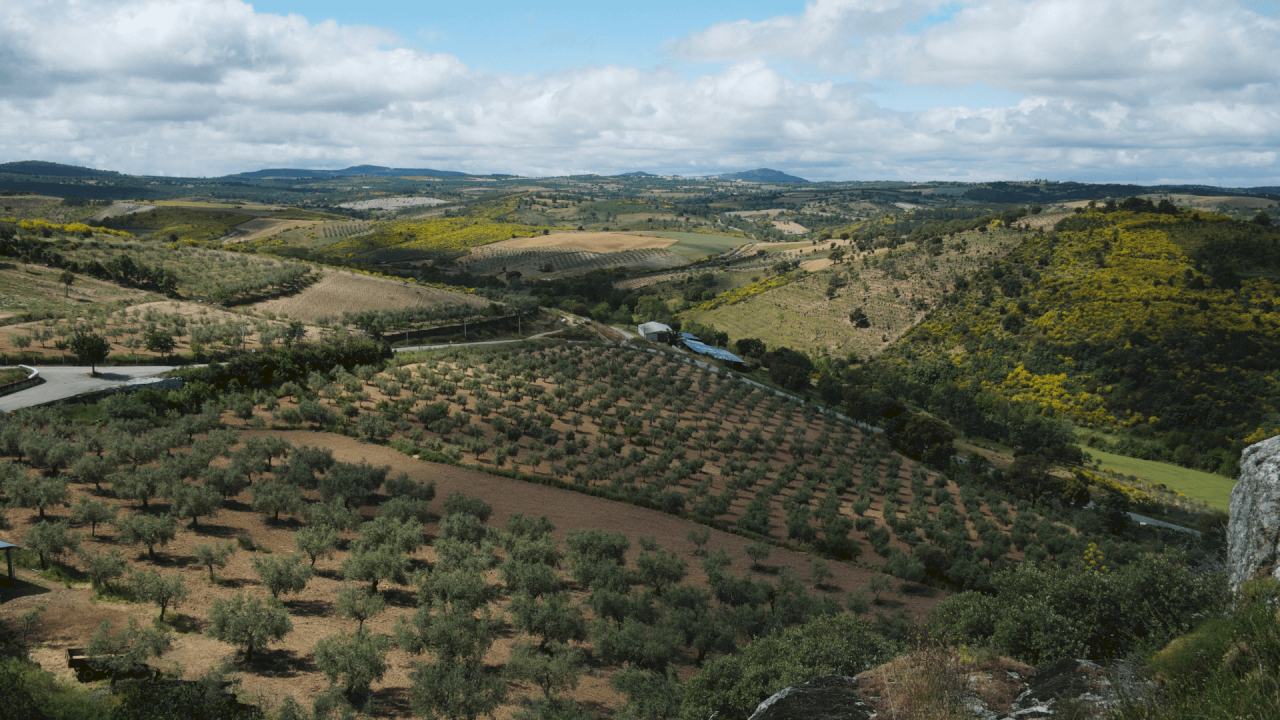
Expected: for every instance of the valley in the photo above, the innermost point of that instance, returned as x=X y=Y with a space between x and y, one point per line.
x=941 y=400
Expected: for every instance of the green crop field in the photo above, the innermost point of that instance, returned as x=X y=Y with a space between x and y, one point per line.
x=1206 y=487
x=696 y=246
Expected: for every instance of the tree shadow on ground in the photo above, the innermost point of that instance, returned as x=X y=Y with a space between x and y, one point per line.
x=218 y=531
x=18 y=588
x=400 y=597
x=309 y=608
x=392 y=702
x=281 y=663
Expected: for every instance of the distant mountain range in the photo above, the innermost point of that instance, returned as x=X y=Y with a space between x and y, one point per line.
x=354 y=171
x=761 y=175
x=48 y=169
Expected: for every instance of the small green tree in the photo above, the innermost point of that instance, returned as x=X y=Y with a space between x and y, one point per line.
x=353 y=661
x=272 y=498
x=316 y=541
x=33 y=491
x=376 y=565
x=148 y=530
x=103 y=569
x=820 y=572
x=159 y=341
x=552 y=618
x=189 y=501
x=151 y=586
x=700 y=536
x=879 y=584
x=650 y=695
x=93 y=511
x=356 y=604
x=758 y=552
x=90 y=348
x=68 y=279
x=248 y=623
x=51 y=539
x=282 y=575
x=455 y=689
x=660 y=568
x=212 y=556
x=553 y=670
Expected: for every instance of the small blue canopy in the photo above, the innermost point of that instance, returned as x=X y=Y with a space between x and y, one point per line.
x=715 y=352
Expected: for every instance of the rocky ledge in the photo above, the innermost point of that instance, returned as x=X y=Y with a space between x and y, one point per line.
x=1253 y=534
x=1067 y=688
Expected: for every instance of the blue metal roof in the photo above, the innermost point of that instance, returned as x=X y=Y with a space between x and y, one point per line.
x=715 y=352
x=4 y=545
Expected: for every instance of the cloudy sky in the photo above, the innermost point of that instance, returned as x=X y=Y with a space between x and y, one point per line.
x=1091 y=90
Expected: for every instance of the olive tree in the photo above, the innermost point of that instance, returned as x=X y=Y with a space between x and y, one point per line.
x=151 y=586
x=92 y=511
x=353 y=661
x=316 y=541
x=248 y=622
x=212 y=556
x=102 y=569
x=282 y=575
x=272 y=498
x=51 y=539
x=356 y=604
x=148 y=530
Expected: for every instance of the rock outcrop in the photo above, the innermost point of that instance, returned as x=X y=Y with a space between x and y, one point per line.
x=1068 y=688
x=1253 y=534
x=831 y=697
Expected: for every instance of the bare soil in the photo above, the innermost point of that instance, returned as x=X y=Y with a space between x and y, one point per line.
x=259 y=228
x=340 y=291
x=287 y=667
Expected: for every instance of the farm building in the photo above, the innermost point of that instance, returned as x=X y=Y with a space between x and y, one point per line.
x=656 y=332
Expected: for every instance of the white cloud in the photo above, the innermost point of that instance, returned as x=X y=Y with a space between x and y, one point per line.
x=1164 y=89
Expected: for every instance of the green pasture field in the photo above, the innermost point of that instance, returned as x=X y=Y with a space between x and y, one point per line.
x=1206 y=487
x=696 y=246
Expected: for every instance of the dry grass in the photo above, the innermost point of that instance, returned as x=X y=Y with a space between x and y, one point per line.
x=931 y=684
x=338 y=292
x=601 y=242
x=266 y=227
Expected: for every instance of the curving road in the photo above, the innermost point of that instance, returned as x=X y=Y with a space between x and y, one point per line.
x=64 y=381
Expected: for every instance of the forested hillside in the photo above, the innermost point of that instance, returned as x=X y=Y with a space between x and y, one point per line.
x=1155 y=329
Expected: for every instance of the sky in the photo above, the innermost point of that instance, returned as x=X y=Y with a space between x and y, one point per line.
x=1146 y=91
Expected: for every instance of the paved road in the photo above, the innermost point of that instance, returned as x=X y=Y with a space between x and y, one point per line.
x=1143 y=520
x=63 y=381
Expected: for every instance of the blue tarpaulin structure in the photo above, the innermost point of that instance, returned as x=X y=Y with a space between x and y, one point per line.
x=715 y=352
